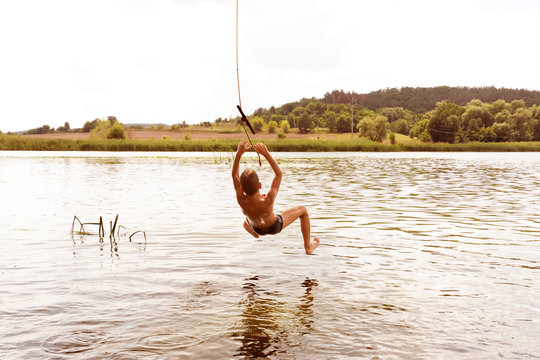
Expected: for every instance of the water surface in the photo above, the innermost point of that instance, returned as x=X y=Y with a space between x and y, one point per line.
x=422 y=256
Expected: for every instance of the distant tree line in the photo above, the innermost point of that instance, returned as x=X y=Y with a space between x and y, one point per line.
x=498 y=121
x=109 y=128
x=46 y=129
x=423 y=99
x=445 y=121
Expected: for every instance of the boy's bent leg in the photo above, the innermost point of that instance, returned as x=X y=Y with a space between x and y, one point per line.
x=249 y=229
x=301 y=212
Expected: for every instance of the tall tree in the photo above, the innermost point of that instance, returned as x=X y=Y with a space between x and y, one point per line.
x=519 y=122
x=502 y=131
x=373 y=127
x=304 y=123
x=444 y=123
x=330 y=120
x=343 y=123
x=285 y=126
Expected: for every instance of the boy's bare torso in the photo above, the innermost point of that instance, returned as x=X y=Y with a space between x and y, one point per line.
x=259 y=209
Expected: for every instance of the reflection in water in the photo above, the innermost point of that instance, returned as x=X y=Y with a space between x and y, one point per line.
x=305 y=313
x=113 y=244
x=269 y=326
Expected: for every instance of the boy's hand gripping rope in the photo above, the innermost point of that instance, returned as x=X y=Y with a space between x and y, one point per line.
x=245 y=120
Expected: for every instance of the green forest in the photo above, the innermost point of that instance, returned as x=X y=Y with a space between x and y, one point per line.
x=440 y=114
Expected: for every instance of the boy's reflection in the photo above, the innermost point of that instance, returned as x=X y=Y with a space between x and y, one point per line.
x=269 y=326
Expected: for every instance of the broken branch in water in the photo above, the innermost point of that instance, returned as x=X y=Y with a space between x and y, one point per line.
x=119 y=227
x=144 y=233
x=82 y=230
x=114 y=226
x=101 y=229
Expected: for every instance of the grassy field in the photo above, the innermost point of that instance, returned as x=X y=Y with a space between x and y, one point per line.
x=314 y=143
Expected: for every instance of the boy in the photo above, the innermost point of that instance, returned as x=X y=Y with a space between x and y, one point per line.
x=259 y=209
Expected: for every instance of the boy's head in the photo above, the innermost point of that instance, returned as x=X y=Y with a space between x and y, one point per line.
x=249 y=181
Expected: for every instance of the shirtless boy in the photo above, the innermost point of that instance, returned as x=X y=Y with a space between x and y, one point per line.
x=259 y=208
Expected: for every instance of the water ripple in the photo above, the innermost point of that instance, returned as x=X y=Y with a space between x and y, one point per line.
x=422 y=256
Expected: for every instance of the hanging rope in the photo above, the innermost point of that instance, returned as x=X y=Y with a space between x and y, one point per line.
x=239 y=106
x=237 y=71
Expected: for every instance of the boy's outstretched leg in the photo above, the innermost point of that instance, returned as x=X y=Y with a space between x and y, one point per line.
x=301 y=212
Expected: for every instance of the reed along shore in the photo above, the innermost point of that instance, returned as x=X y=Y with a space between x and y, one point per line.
x=321 y=144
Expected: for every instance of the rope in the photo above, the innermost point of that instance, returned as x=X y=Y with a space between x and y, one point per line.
x=237 y=71
x=244 y=117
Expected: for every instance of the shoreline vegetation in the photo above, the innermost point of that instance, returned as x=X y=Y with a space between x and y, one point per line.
x=406 y=119
x=314 y=144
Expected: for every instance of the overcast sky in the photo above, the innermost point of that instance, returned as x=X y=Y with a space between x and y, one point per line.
x=170 y=61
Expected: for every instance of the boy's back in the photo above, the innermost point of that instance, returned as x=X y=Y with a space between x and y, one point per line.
x=259 y=209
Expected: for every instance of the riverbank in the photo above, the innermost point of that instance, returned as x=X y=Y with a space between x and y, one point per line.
x=316 y=144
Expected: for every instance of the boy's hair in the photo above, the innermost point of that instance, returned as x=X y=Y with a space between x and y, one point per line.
x=249 y=181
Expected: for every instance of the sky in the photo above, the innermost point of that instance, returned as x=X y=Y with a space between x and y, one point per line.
x=168 y=61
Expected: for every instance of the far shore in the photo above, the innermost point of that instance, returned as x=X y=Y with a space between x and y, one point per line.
x=205 y=140
x=197 y=134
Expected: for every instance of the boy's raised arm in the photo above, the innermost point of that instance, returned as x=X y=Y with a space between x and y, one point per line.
x=242 y=148
x=261 y=149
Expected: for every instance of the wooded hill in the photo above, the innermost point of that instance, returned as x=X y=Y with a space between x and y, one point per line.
x=440 y=114
x=423 y=99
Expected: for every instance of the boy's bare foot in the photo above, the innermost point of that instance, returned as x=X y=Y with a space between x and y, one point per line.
x=314 y=243
x=250 y=230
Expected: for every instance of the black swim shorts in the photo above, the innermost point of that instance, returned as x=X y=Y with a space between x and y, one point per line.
x=271 y=230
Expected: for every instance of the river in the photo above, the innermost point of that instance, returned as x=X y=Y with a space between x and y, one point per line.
x=422 y=256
